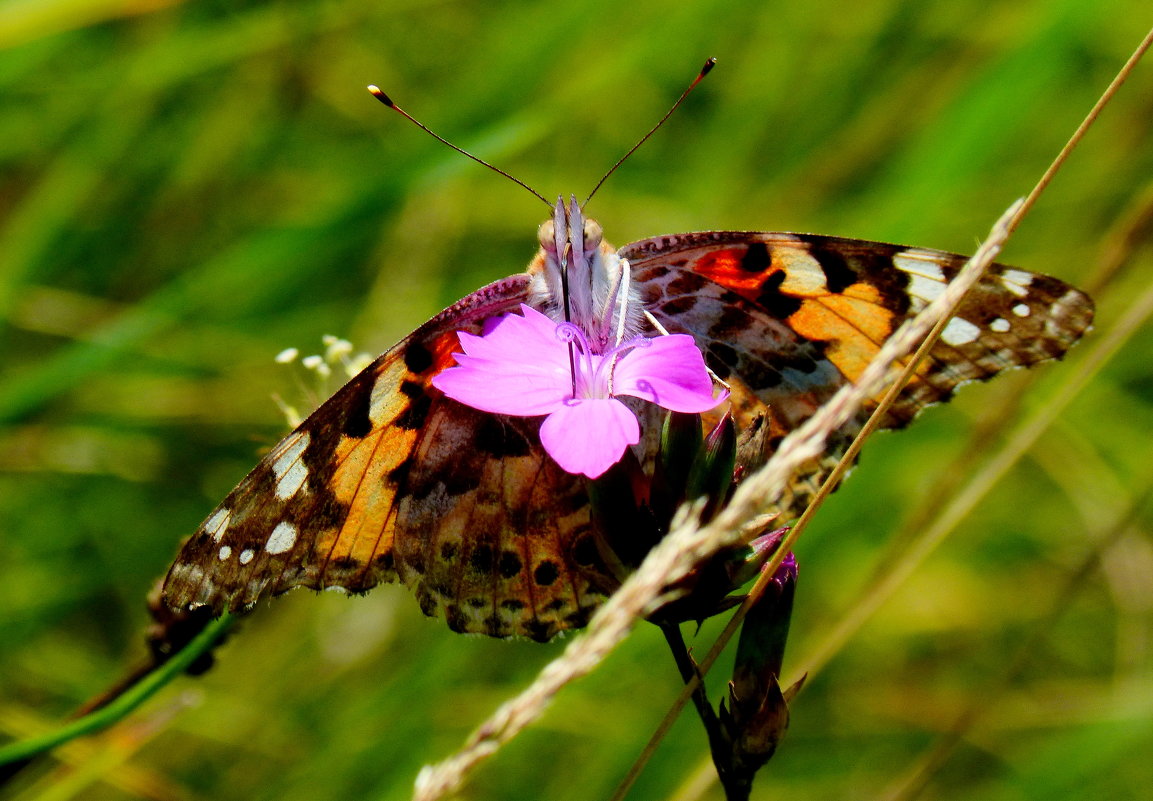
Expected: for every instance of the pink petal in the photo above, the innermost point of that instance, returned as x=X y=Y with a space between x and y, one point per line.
x=516 y=337
x=669 y=372
x=519 y=367
x=589 y=436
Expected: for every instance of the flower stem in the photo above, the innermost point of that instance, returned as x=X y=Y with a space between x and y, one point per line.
x=124 y=704
x=735 y=788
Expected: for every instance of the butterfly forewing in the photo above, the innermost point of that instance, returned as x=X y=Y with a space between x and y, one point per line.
x=787 y=319
x=390 y=479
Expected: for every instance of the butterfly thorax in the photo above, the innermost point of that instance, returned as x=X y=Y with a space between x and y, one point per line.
x=578 y=277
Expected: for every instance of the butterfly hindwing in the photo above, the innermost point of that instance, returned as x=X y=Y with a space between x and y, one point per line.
x=492 y=532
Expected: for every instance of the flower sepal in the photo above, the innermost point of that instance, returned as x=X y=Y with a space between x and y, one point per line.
x=756 y=715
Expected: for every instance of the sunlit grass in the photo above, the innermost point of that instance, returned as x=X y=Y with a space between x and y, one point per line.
x=188 y=189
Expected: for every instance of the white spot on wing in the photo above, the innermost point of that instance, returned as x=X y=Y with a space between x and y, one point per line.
x=289 y=465
x=282 y=538
x=803 y=273
x=925 y=288
x=291 y=482
x=1000 y=325
x=246 y=556
x=1021 y=310
x=218 y=524
x=1016 y=280
x=910 y=263
x=959 y=332
x=225 y=552
x=188 y=572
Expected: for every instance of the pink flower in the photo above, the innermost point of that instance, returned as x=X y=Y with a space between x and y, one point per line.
x=527 y=365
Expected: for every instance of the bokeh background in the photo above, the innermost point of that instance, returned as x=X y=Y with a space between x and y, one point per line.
x=188 y=188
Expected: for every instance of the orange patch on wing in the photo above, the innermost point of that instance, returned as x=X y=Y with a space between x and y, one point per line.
x=442 y=349
x=361 y=482
x=875 y=322
x=865 y=292
x=850 y=350
x=861 y=304
x=854 y=325
x=724 y=267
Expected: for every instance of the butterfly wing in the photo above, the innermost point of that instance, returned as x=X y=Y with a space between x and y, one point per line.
x=389 y=480
x=787 y=319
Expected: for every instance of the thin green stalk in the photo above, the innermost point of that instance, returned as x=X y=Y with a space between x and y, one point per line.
x=125 y=703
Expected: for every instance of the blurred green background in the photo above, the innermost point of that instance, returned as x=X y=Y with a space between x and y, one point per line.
x=188 y=188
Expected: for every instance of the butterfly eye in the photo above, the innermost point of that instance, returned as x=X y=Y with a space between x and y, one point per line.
x=593 y=235
x=546 y=236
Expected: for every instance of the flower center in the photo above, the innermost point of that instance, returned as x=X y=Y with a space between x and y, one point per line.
x=593 y=372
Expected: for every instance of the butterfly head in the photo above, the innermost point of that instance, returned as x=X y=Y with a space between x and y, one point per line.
x=579 y=278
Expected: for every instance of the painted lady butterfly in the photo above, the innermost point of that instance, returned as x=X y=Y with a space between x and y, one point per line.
x=391 y=480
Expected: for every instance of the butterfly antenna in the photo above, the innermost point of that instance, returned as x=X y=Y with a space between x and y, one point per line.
x=712 y=62
x=383 y=98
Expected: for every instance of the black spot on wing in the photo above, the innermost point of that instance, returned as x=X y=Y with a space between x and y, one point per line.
x=686 y=283
x=417 y=357
x=545 y=574
x=398 y=476
x=412 y=389
x=731 y=323
x=497 y=438
x=839 y=275
x=540 y=630
x=415 y=416
x=800 y=362
x=652 y=272
x=848 y=261
x=326 y=511
x=510 y=564
x=357 y=423
x=757 y=258
x=585 y=552
x=481 y=558
x=679 y=306
x=460 y=479
x=776 y=302
x=456 y=618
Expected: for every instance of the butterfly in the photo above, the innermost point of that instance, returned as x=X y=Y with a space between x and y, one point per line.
x=390 y=480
